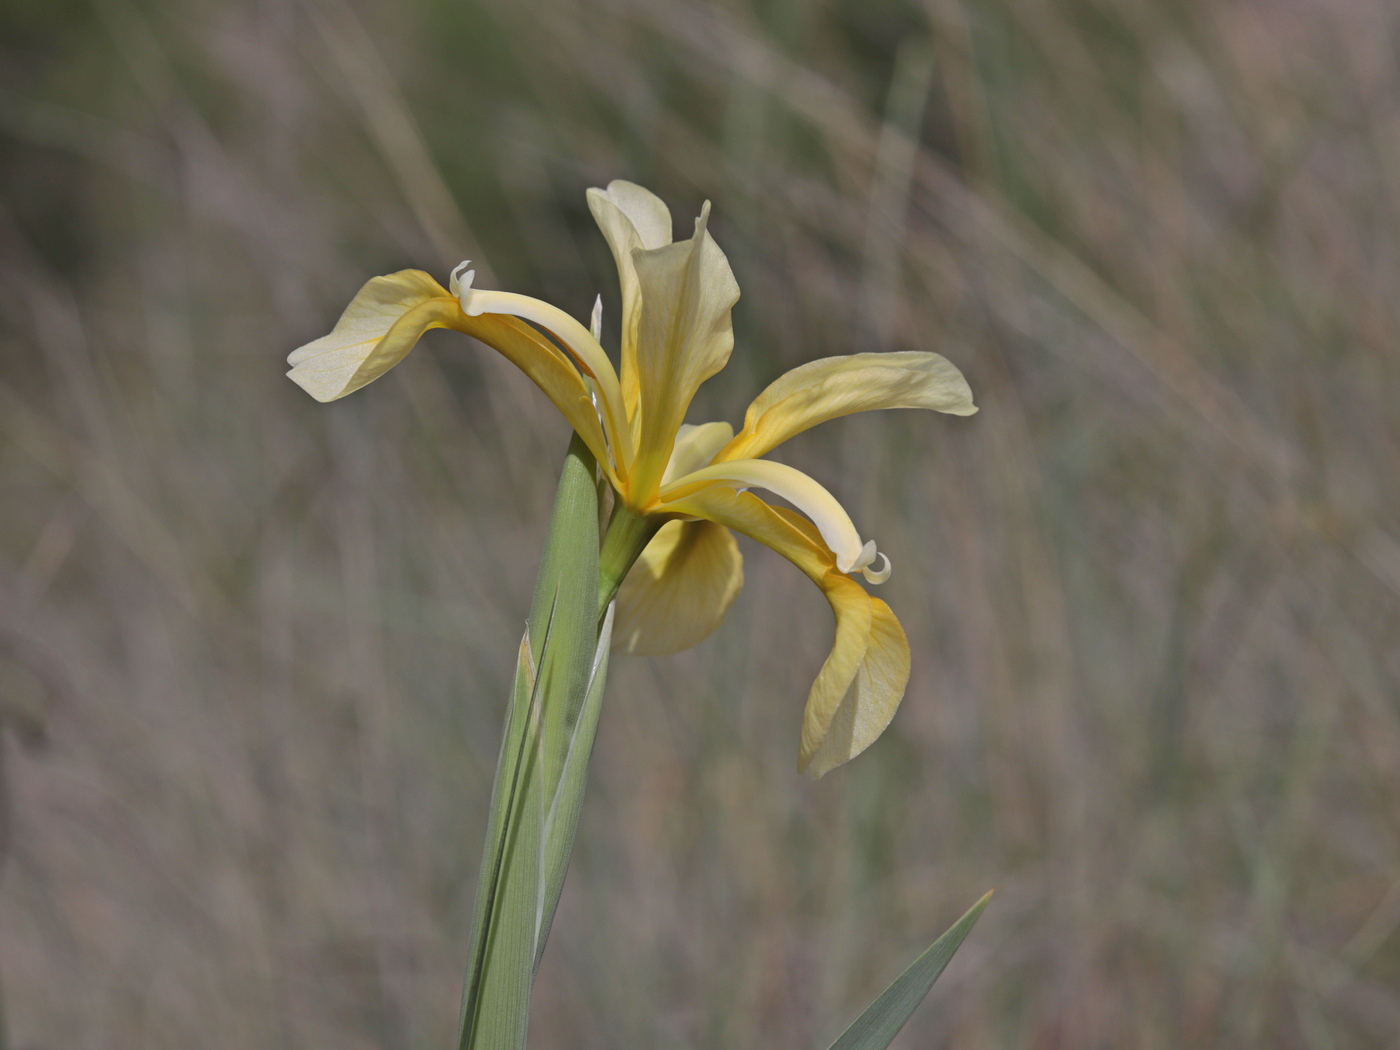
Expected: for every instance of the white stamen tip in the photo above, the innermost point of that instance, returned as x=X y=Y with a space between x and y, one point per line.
x=595 y=323
x=881 y=574
x=867 y=556
x=461 y=287
x=864 y=558
x=454 y=284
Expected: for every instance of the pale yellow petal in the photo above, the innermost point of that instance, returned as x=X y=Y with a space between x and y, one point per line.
x=851 y=607
x=580 y=344
x=792 y=485
x=643 y=210
x=863 y=679
x=377 y=330
x=684 y=336
x=387 y=317
x=630 y=218
x=695 y=446
x=838 y=386
x=871 y=699
x=679 y=590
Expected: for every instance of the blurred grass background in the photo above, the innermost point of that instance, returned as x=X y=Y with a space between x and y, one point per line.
x=254 y=650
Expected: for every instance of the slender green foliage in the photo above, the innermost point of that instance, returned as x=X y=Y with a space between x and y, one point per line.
x=562 y=819
x=876 y=1028
x=542 y=772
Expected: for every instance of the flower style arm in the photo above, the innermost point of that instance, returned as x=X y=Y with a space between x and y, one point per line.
x=837 y=531
x=580 y=344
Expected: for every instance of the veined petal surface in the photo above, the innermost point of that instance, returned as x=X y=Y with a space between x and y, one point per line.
x=631 y=218
x=863 y=679
x=381 y=325
x=679 y=590
x=837 y=386
x=684 y=336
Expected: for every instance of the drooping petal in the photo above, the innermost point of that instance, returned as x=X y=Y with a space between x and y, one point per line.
x=863 y=679
x=851 y=607
x=580 y=344
x=684 y=336
x=388 y=316
x=381 y=325
x=838 y=386
x=679 y=590
x=870 y=700
x=792 y=485
x=630 y=218
x=695 y=447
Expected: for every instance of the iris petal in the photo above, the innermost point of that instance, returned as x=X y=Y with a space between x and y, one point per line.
x=390 y=314
x=679 y=590
x=630 y=218
x=863 y=679
x=695 y=447
x=381 y=325
x=870 y=700
x=550 y=370
x=837 y=386
x=684 y=336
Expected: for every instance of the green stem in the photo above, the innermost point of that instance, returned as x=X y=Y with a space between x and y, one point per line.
x=627 y=536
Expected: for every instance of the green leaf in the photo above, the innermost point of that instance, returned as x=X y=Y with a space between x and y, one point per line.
x=541 y=772
x=495 y=999
x=562 y=820
x=876 y=1028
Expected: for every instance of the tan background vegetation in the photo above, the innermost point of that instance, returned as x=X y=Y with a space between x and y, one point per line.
x=254 y=650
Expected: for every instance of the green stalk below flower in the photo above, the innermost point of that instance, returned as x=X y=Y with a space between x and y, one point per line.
x=542 y=772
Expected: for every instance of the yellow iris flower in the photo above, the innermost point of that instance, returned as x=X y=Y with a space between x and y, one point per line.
x=679 y=489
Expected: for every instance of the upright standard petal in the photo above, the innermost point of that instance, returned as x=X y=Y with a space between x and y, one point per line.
x=838 y=386
x=377 y=330
x=684 y=336
x=863 y=679
x=678 y=592
x=631 y=218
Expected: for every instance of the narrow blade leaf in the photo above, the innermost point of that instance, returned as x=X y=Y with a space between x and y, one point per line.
x=562 y=821
x=497 y=989
x=516 y=889
x=876 y=1028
